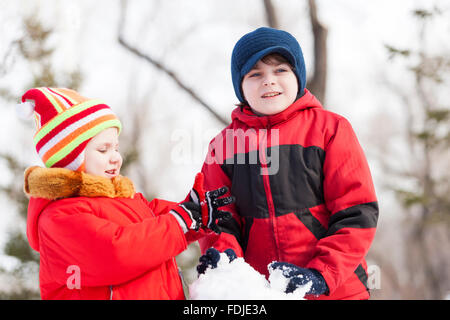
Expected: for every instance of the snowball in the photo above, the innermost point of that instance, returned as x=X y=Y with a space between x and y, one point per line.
x=239 y=281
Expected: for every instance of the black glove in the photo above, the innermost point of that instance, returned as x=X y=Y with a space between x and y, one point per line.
x=188 y=215
x=211 y=258
x=203 y=208
x=300 y=276
x=210 y=202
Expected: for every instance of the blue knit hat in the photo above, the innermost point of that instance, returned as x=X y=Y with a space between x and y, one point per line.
x=259 y=43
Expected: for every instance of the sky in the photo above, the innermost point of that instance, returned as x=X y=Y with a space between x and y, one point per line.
x=195 y=38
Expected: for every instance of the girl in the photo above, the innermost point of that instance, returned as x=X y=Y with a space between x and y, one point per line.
x=97 y=237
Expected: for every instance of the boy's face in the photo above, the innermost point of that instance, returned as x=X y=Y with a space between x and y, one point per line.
x=102 y=157
x=270 y=88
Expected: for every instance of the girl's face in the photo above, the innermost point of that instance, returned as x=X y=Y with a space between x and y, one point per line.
x=102 y=157
x=270 y=88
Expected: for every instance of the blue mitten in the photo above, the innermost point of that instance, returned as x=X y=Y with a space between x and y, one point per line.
x=299 y=277
x=231 y=254
x=211 y=258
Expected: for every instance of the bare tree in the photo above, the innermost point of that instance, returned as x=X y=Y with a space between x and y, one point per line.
x=318 y=82
x=271 y=15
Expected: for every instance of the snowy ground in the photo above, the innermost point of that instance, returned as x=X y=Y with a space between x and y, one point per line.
x=239 y=281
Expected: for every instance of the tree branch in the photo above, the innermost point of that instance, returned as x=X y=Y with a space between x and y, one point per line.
x=161 y=67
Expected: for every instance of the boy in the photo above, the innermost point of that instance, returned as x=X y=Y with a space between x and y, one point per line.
x=97 y=237
x=315 y=216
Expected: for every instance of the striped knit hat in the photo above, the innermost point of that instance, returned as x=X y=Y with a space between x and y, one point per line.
x=65 y=122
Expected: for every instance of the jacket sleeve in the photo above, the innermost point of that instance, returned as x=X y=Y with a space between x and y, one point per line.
x=105 y=252
x=215 y=177
x=158 y=206
x=350 y=198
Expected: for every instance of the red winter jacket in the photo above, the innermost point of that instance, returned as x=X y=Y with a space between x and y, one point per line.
x=304 y=193
x=119 y=247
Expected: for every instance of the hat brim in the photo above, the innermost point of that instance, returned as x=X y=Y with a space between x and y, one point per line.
x=261 y=54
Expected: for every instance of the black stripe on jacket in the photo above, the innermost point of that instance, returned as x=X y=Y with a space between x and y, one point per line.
x=298 y=182
x=361 y=216
x=312 y=223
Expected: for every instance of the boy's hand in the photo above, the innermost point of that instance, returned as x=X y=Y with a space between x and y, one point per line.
x=210 y=202
x=211 y=258
x=299 y=277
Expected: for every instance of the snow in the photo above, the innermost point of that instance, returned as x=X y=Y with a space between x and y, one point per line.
x=237 y=280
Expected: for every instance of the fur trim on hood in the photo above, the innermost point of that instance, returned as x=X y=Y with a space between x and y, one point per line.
x=59 y=183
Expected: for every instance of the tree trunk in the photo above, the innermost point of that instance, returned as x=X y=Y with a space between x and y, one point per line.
x=318 y=82
x=271 y=16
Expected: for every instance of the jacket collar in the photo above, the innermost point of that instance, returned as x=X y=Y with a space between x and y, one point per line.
x=246 y=115
x=59 y=183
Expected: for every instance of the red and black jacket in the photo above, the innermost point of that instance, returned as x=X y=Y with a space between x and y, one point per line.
x=304 y=193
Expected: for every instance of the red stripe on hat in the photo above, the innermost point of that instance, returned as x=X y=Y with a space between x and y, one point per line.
x=67 y=123
x=65 y=99
x=71 y=156
x=62 y=143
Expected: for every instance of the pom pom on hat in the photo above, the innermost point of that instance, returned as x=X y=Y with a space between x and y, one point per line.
x=25 y=110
